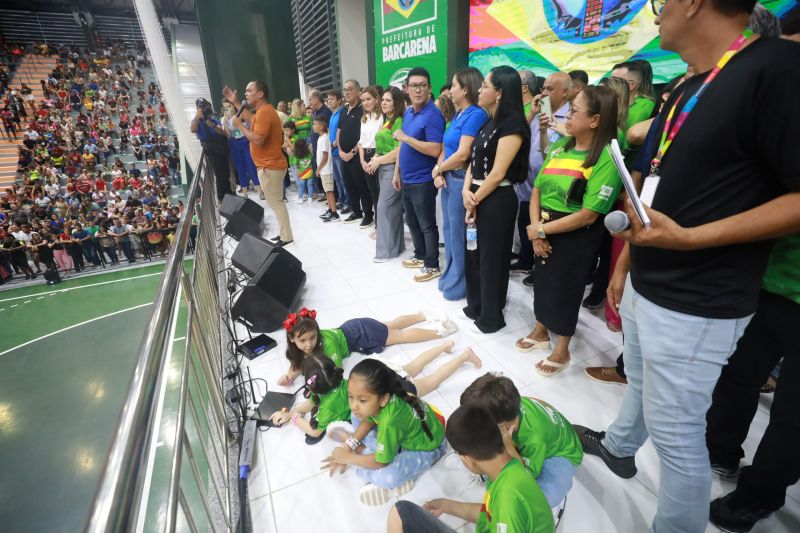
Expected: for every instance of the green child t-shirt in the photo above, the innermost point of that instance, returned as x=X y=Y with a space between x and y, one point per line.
x=543 y=433
x=562 y=166
x=514 y=503
x=333 y=406
x=334 y=345
x=400 y=427
x=783 y=270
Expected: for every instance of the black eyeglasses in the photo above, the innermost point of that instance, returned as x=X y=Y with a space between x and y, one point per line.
x=657 y=6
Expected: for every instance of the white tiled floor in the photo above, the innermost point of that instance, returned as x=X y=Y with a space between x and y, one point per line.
x=289 y=494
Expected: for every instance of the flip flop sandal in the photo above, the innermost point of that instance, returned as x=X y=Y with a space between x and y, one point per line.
x=534 y=345
x=559 y=367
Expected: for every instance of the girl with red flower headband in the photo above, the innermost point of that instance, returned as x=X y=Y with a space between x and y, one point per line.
x=364 y=335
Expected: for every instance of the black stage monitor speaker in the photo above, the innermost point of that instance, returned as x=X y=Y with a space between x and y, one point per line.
x=250 y=253
x=241 y=223
x=272 y=293
x=232 y=204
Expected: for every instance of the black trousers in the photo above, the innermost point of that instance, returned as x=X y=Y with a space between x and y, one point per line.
x=486 y=268
x=356 y=183
x=772 y=333
x=603 y=269
x=220 y=165
x=525 y=259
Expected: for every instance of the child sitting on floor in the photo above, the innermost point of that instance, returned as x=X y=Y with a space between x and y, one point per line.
x=328 y=401
x=533 y=432
x=410 y=433
x=513 y=501
x=364 y=335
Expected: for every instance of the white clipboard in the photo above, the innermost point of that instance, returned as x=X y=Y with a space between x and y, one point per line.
x=627 y=182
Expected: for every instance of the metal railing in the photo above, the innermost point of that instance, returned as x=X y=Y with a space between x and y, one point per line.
x=118 y=503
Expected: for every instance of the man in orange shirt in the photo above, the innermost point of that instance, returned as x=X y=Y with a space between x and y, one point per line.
x=266 y=139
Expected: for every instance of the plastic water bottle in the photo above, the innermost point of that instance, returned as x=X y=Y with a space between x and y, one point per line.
x=472 y=236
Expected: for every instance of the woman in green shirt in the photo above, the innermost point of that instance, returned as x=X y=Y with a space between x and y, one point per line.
x=389 y=242
x=577 y=184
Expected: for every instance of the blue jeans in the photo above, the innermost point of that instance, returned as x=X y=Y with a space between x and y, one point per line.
x=405 y=466
x=672 y=361
x=419 y=204
x=245 y=168
x=453 y=284
x=338 y=178
x=555 y=479
x=305 y=187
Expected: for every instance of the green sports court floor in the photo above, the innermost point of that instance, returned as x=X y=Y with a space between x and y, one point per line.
x=67 y=353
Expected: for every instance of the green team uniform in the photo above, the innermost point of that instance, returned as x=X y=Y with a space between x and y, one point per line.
x=640 y=110
x=333 y=406
x=400 y=428
x=334 y=345
x=543 y=433
x=514 y=503
x=562 y=166
x=384 y=142
x=783 y=270
x=302 y=125
x=303 y=166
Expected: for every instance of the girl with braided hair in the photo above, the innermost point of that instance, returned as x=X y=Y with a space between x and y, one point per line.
x=409 y=437
x=364 y=335
x=326 y=391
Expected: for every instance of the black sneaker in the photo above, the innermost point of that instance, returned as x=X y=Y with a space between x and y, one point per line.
x=592 y=441
x=322 y=199
x=367 y=222
x=280 y=244
x=325 y=214
x=736 y=514
x=339 y=206
x=345 y=210
x=528 y=280
x=593 y=301
x=354 y=217
x=332 y=217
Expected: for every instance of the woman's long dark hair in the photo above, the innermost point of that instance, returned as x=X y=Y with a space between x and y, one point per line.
x=507 y=80
x=398 y=103
x=600 y=101
x=321 y=376
x=294 y=354
x=380 y=379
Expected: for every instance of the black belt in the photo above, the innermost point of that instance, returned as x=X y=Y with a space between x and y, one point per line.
x=551 y=215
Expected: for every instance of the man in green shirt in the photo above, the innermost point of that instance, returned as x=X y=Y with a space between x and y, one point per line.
x=771 y=335
x=513 y=501
x=528 y=92
x=641 y=103
x=533 y=432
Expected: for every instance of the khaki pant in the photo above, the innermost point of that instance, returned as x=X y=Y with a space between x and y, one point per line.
x=271 y=181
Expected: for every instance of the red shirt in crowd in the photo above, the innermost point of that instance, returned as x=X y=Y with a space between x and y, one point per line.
x=100 y=183
x=119 y=183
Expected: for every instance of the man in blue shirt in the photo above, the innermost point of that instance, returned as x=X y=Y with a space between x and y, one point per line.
x=421 y=143
x=334 y=103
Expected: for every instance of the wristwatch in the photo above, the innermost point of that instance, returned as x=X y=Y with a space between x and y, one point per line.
x=540 y=232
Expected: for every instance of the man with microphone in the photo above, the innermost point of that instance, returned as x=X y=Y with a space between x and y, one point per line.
x=722 y=186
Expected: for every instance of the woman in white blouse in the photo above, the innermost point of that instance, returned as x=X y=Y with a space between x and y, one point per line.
x=371 y=121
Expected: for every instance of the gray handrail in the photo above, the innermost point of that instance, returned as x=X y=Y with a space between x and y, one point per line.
x=119 y=493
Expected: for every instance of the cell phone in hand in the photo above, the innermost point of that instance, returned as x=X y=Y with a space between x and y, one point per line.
x=547 y=108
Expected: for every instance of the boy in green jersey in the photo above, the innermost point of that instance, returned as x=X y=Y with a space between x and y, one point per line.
x=513 y=501
x=533 y=432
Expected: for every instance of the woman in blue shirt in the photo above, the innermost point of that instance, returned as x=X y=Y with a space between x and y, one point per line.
x=448 y=175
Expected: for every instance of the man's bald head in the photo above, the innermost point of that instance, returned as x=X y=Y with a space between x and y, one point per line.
x=556 y=86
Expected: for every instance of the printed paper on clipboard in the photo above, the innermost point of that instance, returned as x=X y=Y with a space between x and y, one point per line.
x=627 y=182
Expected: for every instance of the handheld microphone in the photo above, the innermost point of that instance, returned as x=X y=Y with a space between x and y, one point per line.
x=617 y=221
x=241 y=108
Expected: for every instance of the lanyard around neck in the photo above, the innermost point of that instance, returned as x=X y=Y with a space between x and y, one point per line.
x=670 y=132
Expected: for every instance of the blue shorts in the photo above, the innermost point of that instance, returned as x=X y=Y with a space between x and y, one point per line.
x=365 y=335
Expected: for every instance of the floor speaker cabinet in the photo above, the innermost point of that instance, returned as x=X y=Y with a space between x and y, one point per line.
x=232 y=203
x=251 y=252
x=241 y=223
x=271 y=294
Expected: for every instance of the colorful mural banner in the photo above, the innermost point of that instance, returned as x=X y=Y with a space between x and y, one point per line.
x=410 y=33
x=591 y=35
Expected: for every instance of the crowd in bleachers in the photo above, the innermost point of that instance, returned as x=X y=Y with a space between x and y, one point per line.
x=76 y=202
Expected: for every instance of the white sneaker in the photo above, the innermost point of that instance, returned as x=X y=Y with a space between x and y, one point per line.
x=299 y=200
x=380 y=259
x=374 y=496
x=434 y=315
x=448 y=327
